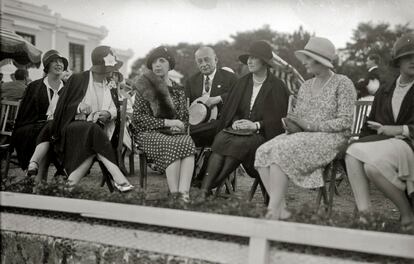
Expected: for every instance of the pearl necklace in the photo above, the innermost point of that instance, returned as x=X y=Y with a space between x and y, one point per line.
x=258 y=82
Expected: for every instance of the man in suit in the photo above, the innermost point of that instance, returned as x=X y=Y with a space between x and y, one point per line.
x=213 y=83
x=369 y=85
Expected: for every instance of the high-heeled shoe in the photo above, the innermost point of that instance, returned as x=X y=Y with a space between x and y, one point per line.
x=33 y=168
x=123 y=187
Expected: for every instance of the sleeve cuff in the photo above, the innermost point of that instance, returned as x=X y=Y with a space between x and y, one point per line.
x=406 y=131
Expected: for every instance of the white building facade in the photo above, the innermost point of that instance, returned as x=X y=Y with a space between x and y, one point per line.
x=47 y=30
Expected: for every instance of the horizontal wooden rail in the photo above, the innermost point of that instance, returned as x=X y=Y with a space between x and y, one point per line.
x=259 y=231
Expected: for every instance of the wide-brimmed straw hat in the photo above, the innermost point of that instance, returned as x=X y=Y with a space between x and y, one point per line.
x=259 y=49
x=320 y=49
x=104 y=60
x=199 y=112
x=402 y=47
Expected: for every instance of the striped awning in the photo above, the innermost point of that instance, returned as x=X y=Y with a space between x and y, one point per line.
x=286 y=72
x=13 y=46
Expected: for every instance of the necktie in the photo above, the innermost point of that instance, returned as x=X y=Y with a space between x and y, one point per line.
x=207 y=84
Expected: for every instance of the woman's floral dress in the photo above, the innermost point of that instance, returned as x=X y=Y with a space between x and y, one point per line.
x=303 y=156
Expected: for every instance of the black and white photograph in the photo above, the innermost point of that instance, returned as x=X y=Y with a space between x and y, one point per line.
x=206 y=131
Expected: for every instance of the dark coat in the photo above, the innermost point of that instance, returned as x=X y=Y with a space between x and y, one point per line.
x=381 y=112
x=221 y=85
x=30 y=120
x=67 y=106
x=269 y=108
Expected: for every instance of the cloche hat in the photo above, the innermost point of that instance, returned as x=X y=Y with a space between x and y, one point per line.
x=104 y=60
x=402 y=47
x=259 y=49
x=320 y=49
x=161 y=52
x=51 y=55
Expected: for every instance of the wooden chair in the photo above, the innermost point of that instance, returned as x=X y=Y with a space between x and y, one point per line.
x=121 y=149
x=326 y=192
x=8 y=116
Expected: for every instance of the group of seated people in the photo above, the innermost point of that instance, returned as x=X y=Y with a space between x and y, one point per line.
x=253 y=127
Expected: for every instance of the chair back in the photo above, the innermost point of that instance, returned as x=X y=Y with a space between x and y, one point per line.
x=123 y=105
x=8 y=115
x=360 y=115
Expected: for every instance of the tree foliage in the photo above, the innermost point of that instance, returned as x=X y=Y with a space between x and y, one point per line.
x=369 y=38
x=229 y=51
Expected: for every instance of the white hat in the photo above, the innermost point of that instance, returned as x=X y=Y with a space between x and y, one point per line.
x=319 y=49
x=199 y=112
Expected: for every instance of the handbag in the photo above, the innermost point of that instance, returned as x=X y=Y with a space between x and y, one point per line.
x=290 y=126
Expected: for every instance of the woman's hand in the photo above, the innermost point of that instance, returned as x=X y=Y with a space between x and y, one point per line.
x=244 y=124
x=390 y=130
x=174 y=123
x=103 y=116
x=306 y=126
x=85 y=108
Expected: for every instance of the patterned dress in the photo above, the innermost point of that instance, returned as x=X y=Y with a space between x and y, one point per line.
x=162 y=149
x=302 y=156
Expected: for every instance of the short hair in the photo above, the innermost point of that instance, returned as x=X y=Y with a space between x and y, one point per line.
x=375 y=57
x=20 y=74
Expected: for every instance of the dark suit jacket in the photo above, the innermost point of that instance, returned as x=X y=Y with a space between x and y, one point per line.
x=381 y=112
x=221 y=85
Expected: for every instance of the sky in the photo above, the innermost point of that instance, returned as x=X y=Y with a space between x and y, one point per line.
x=141 y=25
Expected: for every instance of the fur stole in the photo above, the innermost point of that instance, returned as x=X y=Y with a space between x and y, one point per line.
x=156 y=93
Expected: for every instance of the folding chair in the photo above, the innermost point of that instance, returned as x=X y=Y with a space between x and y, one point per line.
x=8 y=116
x=121 y=149
x=360 y=114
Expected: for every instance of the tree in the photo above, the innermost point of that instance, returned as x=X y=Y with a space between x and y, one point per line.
x=367 y=39
x=228 y=52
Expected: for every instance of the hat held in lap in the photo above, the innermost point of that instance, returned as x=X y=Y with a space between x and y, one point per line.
x=320 y=49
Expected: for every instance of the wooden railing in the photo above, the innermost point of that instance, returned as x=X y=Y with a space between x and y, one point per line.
x=259 y=231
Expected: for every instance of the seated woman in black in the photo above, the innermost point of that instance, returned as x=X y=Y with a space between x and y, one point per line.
x=84 y=120
x=36 y=108
x=255 y=106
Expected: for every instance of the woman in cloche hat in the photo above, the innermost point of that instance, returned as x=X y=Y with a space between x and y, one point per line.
x=84 y=121
x=384 y=154
x=316 y=129
x=160 y=119
x=36 y=108
x=251 y=116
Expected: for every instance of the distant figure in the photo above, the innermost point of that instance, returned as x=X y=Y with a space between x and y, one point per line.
x=210 y=86
x=14 y=90
x=368 y=86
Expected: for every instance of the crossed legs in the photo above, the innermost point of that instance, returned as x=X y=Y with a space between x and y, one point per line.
x=81 y=171
x=219 y=167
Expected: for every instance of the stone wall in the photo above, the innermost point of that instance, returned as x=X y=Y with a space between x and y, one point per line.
x=30 y=248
